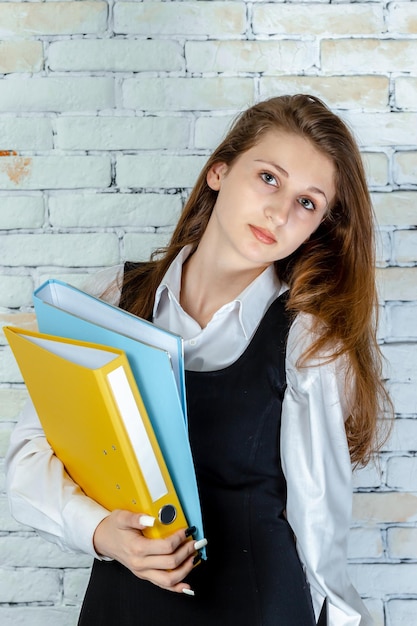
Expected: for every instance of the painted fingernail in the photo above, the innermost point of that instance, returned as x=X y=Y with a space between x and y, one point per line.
x=197 y=559
x=188 y=592
x=190 y=531
x=200 y=544
x=146 y=520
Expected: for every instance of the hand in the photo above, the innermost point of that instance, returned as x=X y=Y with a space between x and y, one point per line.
x=164 y=562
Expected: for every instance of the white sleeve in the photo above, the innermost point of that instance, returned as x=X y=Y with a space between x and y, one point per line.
x=317 y=467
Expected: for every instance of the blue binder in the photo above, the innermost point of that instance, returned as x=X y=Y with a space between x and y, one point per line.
x=156 y=359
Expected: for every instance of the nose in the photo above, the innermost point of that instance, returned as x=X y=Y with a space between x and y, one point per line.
x=278 y=210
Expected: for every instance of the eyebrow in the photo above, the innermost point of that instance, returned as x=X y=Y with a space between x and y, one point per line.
x=285 y=173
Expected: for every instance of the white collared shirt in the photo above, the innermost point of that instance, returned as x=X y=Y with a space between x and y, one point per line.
x=314 y=451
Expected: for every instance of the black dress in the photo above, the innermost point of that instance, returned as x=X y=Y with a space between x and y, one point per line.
x=252 y=576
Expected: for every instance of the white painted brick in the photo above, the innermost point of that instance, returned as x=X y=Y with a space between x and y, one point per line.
x=340 y=92
x=38 y=615
x=376 y=610
x=104 y=210
x=384 y=129
x=20 y=56
x=118 y=55
x=368 y=55
x=396 y=208
x=33 y=551
x=187 y=94
x=21 y=211
x=122 y=133
x=74 y=250
x=23 y=320
x=404 y=396
x=381 y=507
x=397 y=283
x=405 y=246
x=15 y=291
x=54 y=18
x=352 y=19
x=29 y=585
x=11 y=403
x=57 y=94
x=367 y=477
x=403 y=324
x=402 y=362
x=402 y=612
x=402 y=543
x=78 y=280
x=406 y=92
x=210 y=130
x=25 y=133
x=405 y=168
x=157 y=171
x=9 y=371
x=365 y=543
x=402 y=472
x=5 y=433
x=180 y=18
x=402 y=18
x=75 y=585
x=384 y=579
x=249 y=56
x=383 y=248
x=139 y=247
x=54 y=172
x=376 y=168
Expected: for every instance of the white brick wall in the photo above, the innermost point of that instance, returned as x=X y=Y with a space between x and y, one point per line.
x=107 y=111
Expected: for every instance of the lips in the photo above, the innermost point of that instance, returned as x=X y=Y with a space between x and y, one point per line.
x=263 y=235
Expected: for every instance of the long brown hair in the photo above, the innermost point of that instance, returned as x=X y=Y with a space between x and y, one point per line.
x=331 y=277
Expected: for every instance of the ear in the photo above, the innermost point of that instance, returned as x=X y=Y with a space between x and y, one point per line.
x=215 y=175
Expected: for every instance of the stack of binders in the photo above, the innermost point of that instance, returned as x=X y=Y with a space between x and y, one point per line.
x=109 y=391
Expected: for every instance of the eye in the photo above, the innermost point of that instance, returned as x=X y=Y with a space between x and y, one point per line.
x=307 y=204
x=269 y=179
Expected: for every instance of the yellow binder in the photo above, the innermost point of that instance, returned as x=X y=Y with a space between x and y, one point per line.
x=94 y=419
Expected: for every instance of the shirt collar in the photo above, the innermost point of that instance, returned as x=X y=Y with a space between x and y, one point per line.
x=259 y=294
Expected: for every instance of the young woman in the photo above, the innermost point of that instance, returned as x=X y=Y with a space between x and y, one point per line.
x=269 y=277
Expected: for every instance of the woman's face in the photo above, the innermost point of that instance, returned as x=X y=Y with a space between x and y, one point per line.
x=269 y=201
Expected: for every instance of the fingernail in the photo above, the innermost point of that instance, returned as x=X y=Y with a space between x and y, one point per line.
x=197 y=559
x=188 y=592
x=190 y=531
x=200 y=544
x=146 y=520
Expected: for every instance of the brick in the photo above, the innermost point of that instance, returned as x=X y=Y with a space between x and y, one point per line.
x=384 y=507
x=29 y=585
x=180 y=18
x=76 y=250
x=117 y=55
x=20 y=56
x=25 y=133
x=38 y=615
x=5 y=433
x=367 y=477
x=385 y=579
x=158 y=171
x=405 y=168
x=376 y=609
x=403 y=437
x=384 y=129
x=139 y=246
x=106 y=210
x=405 y=400
x=249 y=56
x=365 y=543
x=77 y=280
x=368 y=55
x=23 y=320
x=11 y=403
x=340 y=92
x=345 y=19
x=402 y=362
x=405 y=89
x=405 y=246
x=397 y=208
x=402 y=18
x=21 y=212
x=122 y=133
x=187 y=94
x=402 y=543
x=210 y=130
x=54 y=172
x=376 y=168
x=75 y=585
x=402 y=612
x=15 y=291
x=57 y=94
x=401 y=473
x=52 y=18
x=397 y=283
x=403 y=321
x=33 y=551
x=383 y=249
